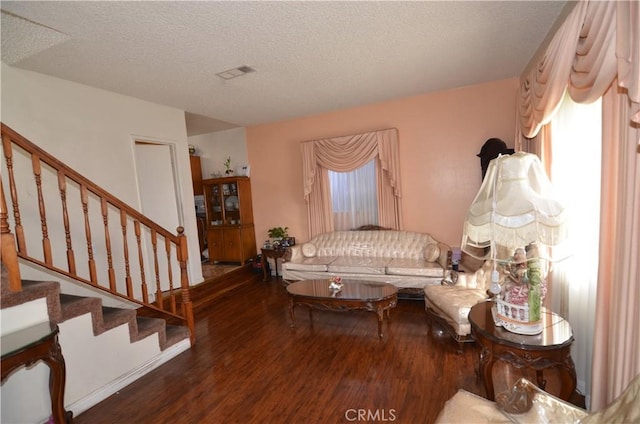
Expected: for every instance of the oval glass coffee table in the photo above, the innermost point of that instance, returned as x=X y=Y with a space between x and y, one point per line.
x=354 y=295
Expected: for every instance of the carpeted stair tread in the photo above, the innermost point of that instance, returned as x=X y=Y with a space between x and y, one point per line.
x=32 y=286
x=74 y=306
x=103 y=318
x=175 y=334
x=148 y=326
x=32 y=290
x=113 y=317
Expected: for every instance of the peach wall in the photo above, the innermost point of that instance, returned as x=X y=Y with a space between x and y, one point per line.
x=440 y=135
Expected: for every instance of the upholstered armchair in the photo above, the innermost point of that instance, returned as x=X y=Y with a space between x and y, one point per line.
x=450 y=302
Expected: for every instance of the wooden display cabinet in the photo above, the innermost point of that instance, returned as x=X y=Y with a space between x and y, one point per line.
x=196 y=174
x=230 y=231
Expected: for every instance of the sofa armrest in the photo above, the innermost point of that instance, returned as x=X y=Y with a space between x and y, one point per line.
x=295 y=253
x=445 y=255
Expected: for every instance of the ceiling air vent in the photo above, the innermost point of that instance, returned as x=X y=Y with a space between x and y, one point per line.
x=235 y=72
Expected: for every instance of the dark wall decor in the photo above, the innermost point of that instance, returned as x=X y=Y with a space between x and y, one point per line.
x=491 y=149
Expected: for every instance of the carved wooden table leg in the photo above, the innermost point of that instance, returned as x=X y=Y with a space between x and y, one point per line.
x=380 y=313
x=568 y=376
x=39 y=343
x=263 y=262
x=486 y=371
x=291 y=306
x=542 y=383
x=57 y=379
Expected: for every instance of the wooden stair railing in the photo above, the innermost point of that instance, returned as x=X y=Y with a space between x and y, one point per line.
x=53 y=246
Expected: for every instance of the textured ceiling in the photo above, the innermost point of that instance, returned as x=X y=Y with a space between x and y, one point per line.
x=310 y=57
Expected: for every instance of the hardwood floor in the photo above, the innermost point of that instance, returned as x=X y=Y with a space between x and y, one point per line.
x=249 y=366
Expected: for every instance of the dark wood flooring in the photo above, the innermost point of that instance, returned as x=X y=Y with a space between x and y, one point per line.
x=249 y=366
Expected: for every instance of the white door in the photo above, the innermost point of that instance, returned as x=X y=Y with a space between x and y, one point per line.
x=155 y=167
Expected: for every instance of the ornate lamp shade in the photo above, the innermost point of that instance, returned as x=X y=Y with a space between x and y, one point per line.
x=514 y=207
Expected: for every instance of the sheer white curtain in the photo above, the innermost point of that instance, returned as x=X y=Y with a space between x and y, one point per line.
x=576 y=131
x=599 y=44
x=354 y=197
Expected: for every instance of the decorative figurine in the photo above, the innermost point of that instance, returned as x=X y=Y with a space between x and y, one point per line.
x=335 y=283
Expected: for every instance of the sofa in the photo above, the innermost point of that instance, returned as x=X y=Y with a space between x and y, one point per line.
x=526 y=403
x=408 y=260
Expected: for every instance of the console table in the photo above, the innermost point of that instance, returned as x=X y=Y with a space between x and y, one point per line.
x=30 y=345
x=548 y=351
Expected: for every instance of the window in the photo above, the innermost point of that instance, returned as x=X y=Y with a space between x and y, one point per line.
x=346 y=154
x=354 y=197
x=576 y=140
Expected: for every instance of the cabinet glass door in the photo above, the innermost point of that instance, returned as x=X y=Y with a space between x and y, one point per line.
x=231 y=204
x=215 y=213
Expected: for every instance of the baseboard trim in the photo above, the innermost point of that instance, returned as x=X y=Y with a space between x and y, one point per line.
x=107 y=390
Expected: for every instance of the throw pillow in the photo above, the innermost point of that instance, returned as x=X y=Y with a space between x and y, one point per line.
x=309 y=250
x=431 y=252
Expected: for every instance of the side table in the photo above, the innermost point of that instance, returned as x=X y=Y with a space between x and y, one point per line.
x=548 y=350
x=38 y=343
x=273 y=254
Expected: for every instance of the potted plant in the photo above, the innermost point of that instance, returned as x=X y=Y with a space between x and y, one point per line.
x=278 y=233
x=227 y=165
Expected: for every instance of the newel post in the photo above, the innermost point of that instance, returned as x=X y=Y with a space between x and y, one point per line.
x=8 y=246
x=187 y=305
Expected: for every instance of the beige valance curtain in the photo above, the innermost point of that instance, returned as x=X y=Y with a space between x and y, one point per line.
x=596 y=53
x=344 y=154
x=597 y=42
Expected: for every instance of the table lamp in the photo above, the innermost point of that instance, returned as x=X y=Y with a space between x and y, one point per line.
x=515 y=209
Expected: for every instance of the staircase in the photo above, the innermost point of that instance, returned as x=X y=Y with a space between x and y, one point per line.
x=69 y=311
x=141 y=267
x=62 y=307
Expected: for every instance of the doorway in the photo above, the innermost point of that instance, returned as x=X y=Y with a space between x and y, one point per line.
x=157 y=183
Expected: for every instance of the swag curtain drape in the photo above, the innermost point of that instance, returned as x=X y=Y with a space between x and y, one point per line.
x=344 y=154
x=596 y=53
x=616 y=355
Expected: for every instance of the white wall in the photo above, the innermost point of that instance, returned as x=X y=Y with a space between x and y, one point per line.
x=215 y=148
x=93 y=131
